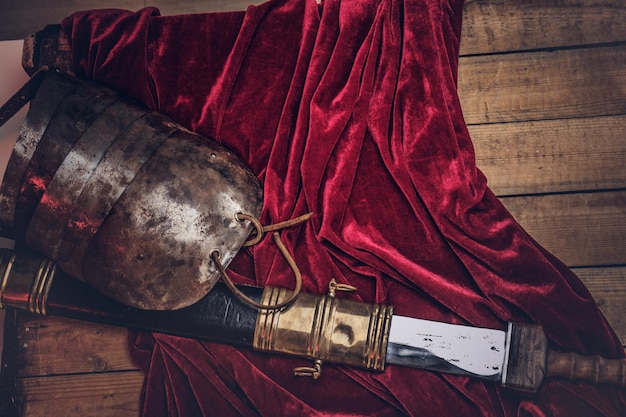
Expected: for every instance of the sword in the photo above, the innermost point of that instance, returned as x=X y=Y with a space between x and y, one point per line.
x=322 y=328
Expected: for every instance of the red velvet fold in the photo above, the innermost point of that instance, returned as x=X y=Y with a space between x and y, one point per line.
x=348 y=110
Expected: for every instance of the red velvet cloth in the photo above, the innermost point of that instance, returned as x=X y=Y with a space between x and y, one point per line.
x=350 y=110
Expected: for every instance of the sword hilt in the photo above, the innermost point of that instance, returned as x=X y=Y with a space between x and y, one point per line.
x=596 y=369
x=530 y=361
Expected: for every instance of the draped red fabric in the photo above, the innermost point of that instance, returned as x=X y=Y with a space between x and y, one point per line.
x=349 y=110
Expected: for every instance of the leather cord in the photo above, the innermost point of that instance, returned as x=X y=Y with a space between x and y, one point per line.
x=261 y=230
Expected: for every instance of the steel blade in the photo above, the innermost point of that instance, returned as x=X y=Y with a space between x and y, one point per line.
x=450 y=348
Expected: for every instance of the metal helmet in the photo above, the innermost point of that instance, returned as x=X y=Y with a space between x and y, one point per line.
x=122 y=197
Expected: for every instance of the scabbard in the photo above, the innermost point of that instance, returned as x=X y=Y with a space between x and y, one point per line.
x=32 y=283
x=323 y=328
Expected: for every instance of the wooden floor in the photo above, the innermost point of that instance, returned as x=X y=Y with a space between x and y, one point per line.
x=543 y=87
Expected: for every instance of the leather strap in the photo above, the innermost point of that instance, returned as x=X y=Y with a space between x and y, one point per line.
x=22 y=96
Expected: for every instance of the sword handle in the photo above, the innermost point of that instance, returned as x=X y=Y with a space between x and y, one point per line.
x=596 y=369
x=530 y=361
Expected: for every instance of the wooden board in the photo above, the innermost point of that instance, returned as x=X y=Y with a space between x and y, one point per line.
x=501 y=26
x=568 y=83
x=585 y=229
x=88 y=395
x=552 y=156
x=53 y=346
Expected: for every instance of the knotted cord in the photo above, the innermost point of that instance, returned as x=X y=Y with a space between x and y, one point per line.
x=260 y=231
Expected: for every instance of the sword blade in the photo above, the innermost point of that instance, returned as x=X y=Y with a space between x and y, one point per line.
x=450 y=348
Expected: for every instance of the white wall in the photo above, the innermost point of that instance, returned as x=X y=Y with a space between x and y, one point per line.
x=12 y=77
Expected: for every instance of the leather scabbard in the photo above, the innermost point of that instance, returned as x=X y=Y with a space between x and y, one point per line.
x=32 y=283
x=318 y=327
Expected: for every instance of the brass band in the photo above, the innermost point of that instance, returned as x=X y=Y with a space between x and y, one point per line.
x=325 y=329
x=25 y=281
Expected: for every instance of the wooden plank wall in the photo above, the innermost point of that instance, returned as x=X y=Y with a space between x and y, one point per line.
x=543 y=87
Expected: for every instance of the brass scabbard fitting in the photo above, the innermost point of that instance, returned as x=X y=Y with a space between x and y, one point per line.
x=25 y=281
x=325 y=329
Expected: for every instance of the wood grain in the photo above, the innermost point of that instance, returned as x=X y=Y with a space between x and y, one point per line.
x=53 y=345
x=91 y=395
x=584 y=229
x=551 y=156
x=491 y=26
x=543 y=85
